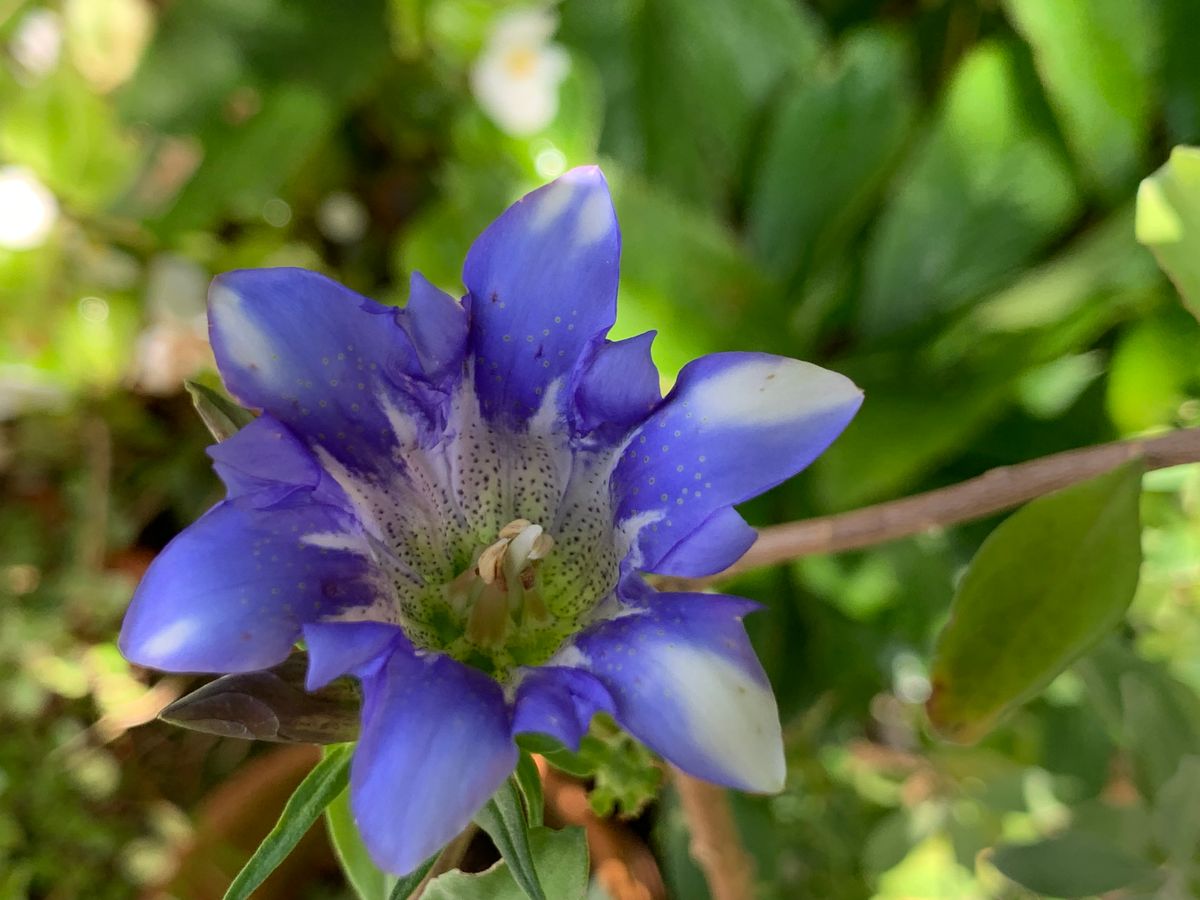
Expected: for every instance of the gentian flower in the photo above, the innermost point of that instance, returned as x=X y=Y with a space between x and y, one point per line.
x=455 y=503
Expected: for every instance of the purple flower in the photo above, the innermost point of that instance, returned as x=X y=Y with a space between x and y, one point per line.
x=453 y=502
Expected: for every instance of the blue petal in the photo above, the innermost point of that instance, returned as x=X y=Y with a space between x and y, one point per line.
x=619 y=386
x=687 y=684
x=330 y=364
x=343 y=648
x=265 y=462
x=715 y=545
x=230 y=593
x=436 y=744
x=735 y=425
x=542 y=284
x=436 y=324
x=560 y=702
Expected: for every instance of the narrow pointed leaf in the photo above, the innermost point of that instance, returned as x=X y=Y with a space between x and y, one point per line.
x=368 y=880
x=221 y=415
x=1047 y=584
x=504 y=821
x=271 y=706
x=328 y=778
x=530 y=783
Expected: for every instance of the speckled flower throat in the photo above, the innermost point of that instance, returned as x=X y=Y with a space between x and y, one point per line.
x=493 y=545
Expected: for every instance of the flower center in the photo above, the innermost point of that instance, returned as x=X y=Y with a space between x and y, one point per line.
x=502 y=589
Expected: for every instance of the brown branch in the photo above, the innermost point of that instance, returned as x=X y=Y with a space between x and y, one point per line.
x=991 y=492
x=621 y=861
x=715 y=843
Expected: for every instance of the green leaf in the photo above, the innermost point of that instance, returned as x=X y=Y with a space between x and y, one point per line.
x=684 y=272
x=1074 y=864
x=562 y=865
x=328 y=778
x=923 y=421
x=367 y=879
x=530 y=783
x=256 y=113
x=1160 y=725
x=1047 y=583
x=1153 y=366
x=1096 y=60
x=406 y=886
x=704 y=71
x=987 y=176
x=1168 y=221
x=70 y=137
x=1177 y=813
x=221 y=416
x=1181 y=69
x=504 y=821
x=848 y=125
x=271 y=706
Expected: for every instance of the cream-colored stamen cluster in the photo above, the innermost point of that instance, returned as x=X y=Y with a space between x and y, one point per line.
x=502 y=588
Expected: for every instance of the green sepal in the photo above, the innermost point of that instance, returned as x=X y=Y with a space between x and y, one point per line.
x=221 y=416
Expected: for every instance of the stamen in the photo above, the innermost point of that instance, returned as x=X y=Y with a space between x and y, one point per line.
x=515 y=527
x=502 y=587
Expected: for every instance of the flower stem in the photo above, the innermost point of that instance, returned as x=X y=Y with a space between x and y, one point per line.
x=992 y=492
x=715 y=843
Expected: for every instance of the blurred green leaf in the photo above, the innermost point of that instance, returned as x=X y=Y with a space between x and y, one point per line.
x=562 y=864
x=1168 y=221
x=684 y=273
x=70 y=137
x=1047 y=583
x=922 y=421
x=624 y=774
x=983 y=193
x=368 y=880
x=1096 y=59
x=269 y=80
x=1074 y=864
x=833 y=140
x=1159 y=725
x=1177 y=813
x=1154 y=363
x=704 y=72
x=1179 y=25
x=328 y=778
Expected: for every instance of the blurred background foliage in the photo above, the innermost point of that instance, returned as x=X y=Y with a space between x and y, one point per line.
x=933 y=196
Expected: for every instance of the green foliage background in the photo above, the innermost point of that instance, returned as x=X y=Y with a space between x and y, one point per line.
x=936 y=198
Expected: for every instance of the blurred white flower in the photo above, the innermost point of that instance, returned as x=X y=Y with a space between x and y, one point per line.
x=174 y=344
x=28 y=210
x=342 y=218
x=37 y=42
x=24 y=389
x=106 y=38
x=517 y=76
